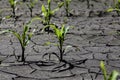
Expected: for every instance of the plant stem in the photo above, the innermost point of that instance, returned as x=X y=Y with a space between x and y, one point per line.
x=23 y=56
x=47 y=19
x=31 y=12
x=66 y=8
x=61 y=49
x=118 y=13
x=14 y=15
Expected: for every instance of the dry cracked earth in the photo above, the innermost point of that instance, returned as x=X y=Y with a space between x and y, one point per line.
x=94 y=37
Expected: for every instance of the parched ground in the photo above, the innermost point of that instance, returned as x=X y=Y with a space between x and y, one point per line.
x=94 y=37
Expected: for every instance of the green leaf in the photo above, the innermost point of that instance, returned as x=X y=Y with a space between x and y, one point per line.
x=30 y=35
x=26 y=28
x=44 y=11
x=66 y=30
x=66 y=48
x=49 y=1
x=11 y=2
x=24 y=32
x=36 y=18
x=68 y=1
x=118 y=1
x=60 y=4
x=5 y=31
x=110 y=10
x=7 y=17
x=56 y=9
x=117 y=9
x=17 y=35
x=57 y=32
x=49 y=43
x=62 y=30
x=103 y=70
x=53 y=11
x=113 y=75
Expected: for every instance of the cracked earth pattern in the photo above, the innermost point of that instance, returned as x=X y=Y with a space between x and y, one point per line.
x=94 y=35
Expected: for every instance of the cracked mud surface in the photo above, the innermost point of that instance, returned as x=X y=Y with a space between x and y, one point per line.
x=94 y=36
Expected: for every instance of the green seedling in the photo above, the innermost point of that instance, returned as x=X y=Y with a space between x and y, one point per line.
x=31 y=5
x=23 y=38
x=112 y=76
x=48 y=13
x=60 y=34
x=13 y=4
x=66 y=6
x=116 y=7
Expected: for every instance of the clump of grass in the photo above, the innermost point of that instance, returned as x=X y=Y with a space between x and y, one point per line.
x=113 y=75
x=31 y=5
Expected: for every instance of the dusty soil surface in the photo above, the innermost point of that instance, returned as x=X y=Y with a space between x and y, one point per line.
x=94 y=34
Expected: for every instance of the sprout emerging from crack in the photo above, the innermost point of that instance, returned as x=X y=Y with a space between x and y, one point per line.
x=23 y=38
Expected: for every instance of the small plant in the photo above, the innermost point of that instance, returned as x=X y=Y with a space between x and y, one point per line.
x=112 y=76
x=48 y=13
x=31 y=5
x=60 y=34
x=13 y=4
x=116 y=7
x=66 y=6
x=23 y=38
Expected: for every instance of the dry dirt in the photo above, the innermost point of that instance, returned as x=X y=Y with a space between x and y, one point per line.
x=94 y=34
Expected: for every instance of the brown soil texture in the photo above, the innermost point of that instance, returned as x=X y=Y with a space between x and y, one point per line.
x=94 y=37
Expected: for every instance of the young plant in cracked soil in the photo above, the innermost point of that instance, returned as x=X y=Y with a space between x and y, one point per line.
x=66 y=6
x=116 y=7
x=31 y=5
x=113 y=75
x=23 y=38
x=60 y=34
x=48 y=13
x=13 y=4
